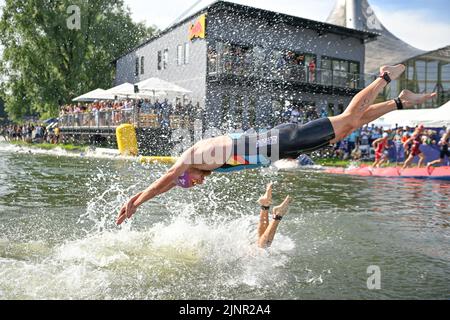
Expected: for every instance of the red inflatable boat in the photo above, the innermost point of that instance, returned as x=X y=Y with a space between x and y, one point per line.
x=442 y=173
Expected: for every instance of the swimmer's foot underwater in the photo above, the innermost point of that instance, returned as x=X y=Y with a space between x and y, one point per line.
x=252 y=150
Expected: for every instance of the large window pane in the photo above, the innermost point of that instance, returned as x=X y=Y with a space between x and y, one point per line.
x=159 y=60
x=420 y=70
x=445 y=72
x=212 y=60
x=165 y=58
x=410 y=73
x=432 y=71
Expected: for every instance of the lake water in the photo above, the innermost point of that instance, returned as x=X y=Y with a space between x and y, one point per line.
x=58 y=239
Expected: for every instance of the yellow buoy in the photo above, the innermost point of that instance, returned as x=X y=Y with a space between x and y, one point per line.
x=161 y=160
x=127 y=140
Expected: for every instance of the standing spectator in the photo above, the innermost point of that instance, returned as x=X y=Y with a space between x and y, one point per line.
x=353 y=140
x=312 y=71
x=166 y=112
x=57 y=133
x=295 y=115
x=356 y=153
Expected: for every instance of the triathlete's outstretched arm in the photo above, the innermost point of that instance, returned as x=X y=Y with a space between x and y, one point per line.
x=163 y=184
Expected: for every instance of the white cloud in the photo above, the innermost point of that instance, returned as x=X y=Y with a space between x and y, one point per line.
x=416 y=28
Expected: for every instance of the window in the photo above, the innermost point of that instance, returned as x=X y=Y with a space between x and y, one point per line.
x=212 y=60
x=159 y=60
x=445 y=72
x=186 y=53
x=179 y=55
x=142 y=65
x=165 y=59
x=136 y=70
x=340 y=73
x=292 y=65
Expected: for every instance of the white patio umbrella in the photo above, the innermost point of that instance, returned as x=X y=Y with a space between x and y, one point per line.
x=97 y=94
x=125 y=89
x=156 y=85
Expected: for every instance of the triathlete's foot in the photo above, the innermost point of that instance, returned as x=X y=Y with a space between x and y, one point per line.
x=266 y=199
x=393 y=71
x=410 y=99
x=282 y=209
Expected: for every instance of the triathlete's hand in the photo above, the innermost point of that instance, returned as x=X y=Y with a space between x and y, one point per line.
x=127 y=210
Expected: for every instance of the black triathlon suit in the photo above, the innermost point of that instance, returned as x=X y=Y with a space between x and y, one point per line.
x=282 y=142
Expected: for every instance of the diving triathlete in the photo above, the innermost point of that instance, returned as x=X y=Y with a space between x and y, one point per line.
x=245 y=151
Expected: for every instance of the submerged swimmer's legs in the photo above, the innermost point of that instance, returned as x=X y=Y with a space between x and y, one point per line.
x=266 y=230
x=265 y=201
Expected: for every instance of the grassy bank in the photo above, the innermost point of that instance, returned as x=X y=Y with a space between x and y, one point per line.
x=331 y=162
x=346 y=163
x=49 y=146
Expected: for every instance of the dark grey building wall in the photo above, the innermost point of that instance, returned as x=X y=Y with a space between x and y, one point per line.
x=268 y=103
x=191 y=76
x=239 y=29
x=250 y=31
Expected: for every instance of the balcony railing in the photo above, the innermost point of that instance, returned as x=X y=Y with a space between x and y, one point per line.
x=100 y=119
x=113 y=118
x=229 y=66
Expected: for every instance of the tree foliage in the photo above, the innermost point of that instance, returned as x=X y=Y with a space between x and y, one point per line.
x=46 y=64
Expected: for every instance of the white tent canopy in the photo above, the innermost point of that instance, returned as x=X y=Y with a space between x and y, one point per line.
x=437 y=118
x=431 y=118
x=400 y=117
x=97 y=94
x=156 y=85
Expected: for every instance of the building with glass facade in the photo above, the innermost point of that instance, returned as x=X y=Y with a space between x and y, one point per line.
x=247 y=67
x=427 y=71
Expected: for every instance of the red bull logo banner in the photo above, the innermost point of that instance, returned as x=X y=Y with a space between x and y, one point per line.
x=198 y=28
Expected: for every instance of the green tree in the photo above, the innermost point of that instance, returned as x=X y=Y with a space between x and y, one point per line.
x=46 y=62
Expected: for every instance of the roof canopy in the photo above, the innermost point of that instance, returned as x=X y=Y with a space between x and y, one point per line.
x=387 y=48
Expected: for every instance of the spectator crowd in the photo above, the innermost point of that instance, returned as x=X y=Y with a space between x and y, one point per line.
x=359 y=144
x=30 y=133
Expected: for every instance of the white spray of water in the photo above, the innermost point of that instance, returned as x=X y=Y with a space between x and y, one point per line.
x=186 y=254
